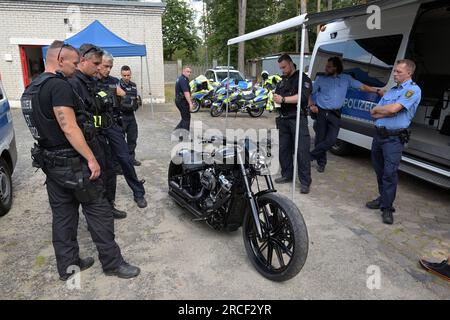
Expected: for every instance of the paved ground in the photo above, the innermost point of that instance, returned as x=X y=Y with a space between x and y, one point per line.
x=181 y=259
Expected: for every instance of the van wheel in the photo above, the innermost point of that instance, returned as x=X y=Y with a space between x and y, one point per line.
x=341 y=148
x=5 y=188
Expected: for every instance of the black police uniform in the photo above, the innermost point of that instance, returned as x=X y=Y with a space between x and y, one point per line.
x=68 y=183
x=110 y=129
x=286 y=124
x=84 y=87
x=109 y=85
x=182 y=86
x=128 y=105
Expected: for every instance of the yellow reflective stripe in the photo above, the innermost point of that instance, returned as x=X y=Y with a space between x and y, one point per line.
x=102 y=94
x=97 y=121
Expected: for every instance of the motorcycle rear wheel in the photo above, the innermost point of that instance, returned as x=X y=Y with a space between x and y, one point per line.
x=255 y=113
x=196 y=106
x=216 y=111
x=282 y=252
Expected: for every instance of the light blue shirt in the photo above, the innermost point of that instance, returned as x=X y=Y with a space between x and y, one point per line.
x=408 y=95
x=329 y=92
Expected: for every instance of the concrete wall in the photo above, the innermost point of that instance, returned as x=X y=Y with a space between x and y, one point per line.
x=170 y=71
x=41 y=22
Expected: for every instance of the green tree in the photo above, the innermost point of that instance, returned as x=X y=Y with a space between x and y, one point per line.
x=179 y=31
x=222 y=25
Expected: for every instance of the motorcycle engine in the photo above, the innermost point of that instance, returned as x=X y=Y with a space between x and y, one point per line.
x=208 y=180
x=219 y=187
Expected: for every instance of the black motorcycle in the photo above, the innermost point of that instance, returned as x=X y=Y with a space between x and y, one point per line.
x=217 y=186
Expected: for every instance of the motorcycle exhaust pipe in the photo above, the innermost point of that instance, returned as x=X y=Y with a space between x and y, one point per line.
x=182 y=192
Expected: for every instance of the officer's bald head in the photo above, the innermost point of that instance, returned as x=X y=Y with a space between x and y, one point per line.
x=62 y=57
x=57 y=49
x=187 y=70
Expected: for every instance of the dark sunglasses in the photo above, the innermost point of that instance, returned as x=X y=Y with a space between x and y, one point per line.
x=92 y=49
x=65 y=45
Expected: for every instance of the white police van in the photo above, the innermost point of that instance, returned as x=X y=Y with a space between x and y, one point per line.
x=418 y=30
x=8 y=153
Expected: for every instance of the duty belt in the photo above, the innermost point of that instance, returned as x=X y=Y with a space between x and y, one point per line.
x=61 y=158
x=382 y=131
x=336 y=112
x=293 y=115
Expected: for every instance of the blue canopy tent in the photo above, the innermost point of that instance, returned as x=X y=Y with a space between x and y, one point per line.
x=96 y=33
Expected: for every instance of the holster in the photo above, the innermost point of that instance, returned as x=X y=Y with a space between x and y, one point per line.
x=313 y=115
x=404 y=136
x=84 y=190
x=37 y=156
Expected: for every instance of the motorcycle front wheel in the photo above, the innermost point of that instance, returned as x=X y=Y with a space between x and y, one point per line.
x=256 y=112
x=196 y=106
x=216 y=111
x=283 y=249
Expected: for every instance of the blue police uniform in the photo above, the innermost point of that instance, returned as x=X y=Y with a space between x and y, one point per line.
x=181 y=86
x=119 y=146
x=329 y=95
x=387 y=146
x=129 y=104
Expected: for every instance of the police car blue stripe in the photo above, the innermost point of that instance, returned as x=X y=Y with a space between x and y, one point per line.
x=358 y=104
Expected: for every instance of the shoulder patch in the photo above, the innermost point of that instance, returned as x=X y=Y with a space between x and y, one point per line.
x=409 y=93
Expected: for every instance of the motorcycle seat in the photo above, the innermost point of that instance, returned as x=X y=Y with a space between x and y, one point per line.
x=248 y=95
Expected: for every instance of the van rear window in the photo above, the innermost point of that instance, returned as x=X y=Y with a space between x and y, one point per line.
x=369 y=60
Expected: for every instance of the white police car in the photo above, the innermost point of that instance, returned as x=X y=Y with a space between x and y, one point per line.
x=221 y=72
x=8 y=153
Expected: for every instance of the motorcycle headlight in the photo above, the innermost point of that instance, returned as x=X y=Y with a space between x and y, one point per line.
x=259 y=160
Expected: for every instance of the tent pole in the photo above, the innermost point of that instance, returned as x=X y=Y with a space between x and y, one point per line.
x=228 y=86
x=149 y=87
x=142 y=79
x=299 y=107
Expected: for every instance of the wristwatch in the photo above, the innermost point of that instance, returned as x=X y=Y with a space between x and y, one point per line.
x=283 y=100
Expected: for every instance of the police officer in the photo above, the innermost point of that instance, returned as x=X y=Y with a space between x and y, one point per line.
x=129 y=104
x=183 y=100
x=112 y=137
x=286 y=94
x=393 y=116
x=110 y=85
x=328 y=97
x=65 y=155
x=270 y=82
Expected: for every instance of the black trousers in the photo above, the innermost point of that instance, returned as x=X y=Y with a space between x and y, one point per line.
x=119 y=147
x=106 y=160
x=327 y=128
x=183 y=107
x=65 y=205
x=131 y=132
x=287 y=128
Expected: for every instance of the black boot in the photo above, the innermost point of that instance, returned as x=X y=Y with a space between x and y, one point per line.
x=124 y=271
x=283 y=180
x=374 y=204
x=118 y=214
x=141 y=202
x=388 y=217
x=84 y=264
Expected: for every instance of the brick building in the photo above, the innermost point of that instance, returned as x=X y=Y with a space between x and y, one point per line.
x=28 y=25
